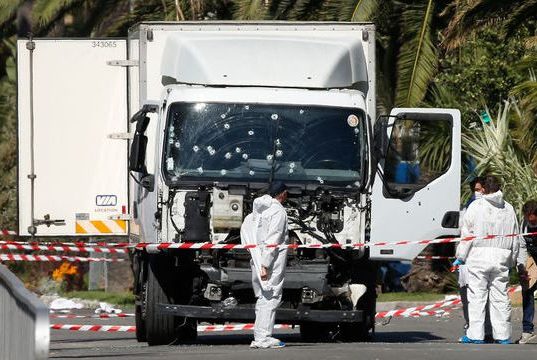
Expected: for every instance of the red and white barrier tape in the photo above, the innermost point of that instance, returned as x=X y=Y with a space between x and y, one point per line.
x=421 y=308
x=77 y=244
x=63 y=248
x=211 y=246
x=100 y=328
x=120 y=248
x=41 y=258
x=7 y=232
x=117 y=328
x=98 y=316
x=407 y=312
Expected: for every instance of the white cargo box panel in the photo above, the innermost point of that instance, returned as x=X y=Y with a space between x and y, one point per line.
x=270 y=54
x=78 y=100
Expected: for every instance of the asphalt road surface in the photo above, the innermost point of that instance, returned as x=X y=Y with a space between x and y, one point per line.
x=400 y=339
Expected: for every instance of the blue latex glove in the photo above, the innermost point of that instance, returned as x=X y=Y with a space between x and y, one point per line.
x=458 y=262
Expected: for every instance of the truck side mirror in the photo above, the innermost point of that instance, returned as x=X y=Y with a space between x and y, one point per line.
x=139 y=142
x=137 y=153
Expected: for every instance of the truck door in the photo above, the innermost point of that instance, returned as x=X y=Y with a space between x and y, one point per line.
x=416 y=192
x=78 y=100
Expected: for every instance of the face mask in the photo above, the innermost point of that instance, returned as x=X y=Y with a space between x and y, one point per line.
x=478 y=194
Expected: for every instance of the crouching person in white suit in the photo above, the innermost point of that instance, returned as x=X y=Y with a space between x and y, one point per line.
x=267 y=225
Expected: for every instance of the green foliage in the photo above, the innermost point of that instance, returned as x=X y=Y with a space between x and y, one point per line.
x=8 y=141
x=417 y=57
x=492 y=146
x=480 y=72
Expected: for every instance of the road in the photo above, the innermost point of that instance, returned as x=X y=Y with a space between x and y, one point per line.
x=405 y=339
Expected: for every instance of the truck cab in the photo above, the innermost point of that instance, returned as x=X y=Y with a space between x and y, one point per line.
x=215 y=112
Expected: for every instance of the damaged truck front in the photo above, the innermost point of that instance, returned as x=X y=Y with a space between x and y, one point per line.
x=221 y=110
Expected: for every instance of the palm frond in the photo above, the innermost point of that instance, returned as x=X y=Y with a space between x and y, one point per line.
x=44 y=11
x=251 y=10
x=418 y=57
x=526 y=11
x=492 y=148
x=8 y=10
x=305 y=10
x=473 y=16
x=364 y=10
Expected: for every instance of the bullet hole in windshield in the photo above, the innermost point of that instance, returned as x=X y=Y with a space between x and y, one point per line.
x=223 y=172
x=320 y=180
x=251 y=132
x=278 y=142
x=200 y=170
x=274 y=116
x=291 y=170
x=170 y=141
x=269 y=157
x=251 y=172
x=196 y=148
x=228 y=155
x=238 y=150
x=177 y=145
x=211 y=150
x=223 y=116
x=279 y=153
x=245 y=156
x=226 y=126
x=246 y=107
x=301 y=112
x=292 y=165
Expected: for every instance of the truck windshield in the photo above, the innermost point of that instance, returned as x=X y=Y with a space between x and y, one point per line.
x=254 y=142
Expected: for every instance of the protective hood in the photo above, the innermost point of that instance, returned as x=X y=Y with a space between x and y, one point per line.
x=495 y=199
x=261 y=204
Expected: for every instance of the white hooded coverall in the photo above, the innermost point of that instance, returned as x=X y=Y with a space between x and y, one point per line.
x=266 y=225
x=488 y=262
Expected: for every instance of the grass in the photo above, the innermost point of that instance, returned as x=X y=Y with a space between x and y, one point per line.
x=404 y=296
x=124 y=298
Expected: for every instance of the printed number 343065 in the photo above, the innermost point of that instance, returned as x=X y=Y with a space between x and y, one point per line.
x=103 y=44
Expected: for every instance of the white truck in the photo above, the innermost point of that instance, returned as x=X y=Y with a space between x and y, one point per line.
x=213 y=112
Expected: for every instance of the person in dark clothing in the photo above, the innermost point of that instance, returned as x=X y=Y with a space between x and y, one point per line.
x=476 y=187
x=529 y=225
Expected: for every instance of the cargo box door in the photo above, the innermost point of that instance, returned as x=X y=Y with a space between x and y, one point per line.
x=78 y=101
x=416 y=192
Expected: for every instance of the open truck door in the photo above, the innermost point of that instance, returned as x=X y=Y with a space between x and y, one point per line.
x=78 y=100
x=416 y=190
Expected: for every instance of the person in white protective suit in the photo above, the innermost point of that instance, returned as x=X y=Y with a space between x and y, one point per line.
x=267 y=225
x=488 y=262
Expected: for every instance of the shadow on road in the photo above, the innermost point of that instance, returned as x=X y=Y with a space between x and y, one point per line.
x=406 y=337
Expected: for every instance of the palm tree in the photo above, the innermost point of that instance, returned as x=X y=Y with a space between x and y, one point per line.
x=471 y=16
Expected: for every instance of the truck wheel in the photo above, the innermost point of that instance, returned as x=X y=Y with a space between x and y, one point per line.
x=160 y=328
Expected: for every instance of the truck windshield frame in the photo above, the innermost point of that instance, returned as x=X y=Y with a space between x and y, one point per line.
x=252 y=143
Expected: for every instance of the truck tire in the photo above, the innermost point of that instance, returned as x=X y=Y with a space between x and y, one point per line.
x=160 y=328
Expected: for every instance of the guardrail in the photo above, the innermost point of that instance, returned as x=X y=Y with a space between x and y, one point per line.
x=24 y=321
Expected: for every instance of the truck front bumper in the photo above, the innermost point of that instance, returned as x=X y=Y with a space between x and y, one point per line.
x=287 y=316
